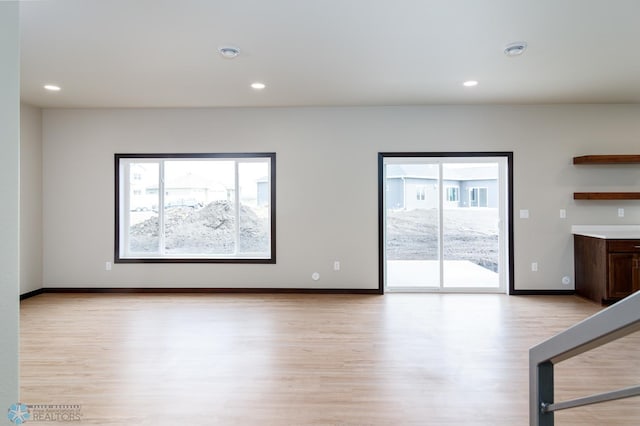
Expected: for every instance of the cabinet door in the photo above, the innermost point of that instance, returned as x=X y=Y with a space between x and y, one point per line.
x=623 y=271
x=636 y=274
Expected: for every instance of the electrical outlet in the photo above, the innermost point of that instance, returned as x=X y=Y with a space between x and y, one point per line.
x=107 y=266
x=524 y=214
x=563 y=214
x=336 y=265
x=620 y=212
x=534 y=266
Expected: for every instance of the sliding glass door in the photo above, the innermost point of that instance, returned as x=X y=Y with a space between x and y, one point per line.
x=444 y=222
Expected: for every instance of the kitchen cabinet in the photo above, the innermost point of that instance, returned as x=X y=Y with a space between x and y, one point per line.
x=606 y=269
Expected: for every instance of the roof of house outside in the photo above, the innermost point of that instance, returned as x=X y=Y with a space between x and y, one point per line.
x=451 y=171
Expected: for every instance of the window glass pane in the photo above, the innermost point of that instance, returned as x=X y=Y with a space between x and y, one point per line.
x=412 y=239
x=199 y=207
x=144 y=228
x=452 y=194
x=471 y=233
x=255 y=205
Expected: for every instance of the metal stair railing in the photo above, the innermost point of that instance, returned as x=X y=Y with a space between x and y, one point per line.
x=614 y=322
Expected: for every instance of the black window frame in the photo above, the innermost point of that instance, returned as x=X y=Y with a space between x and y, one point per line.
x=246 y=260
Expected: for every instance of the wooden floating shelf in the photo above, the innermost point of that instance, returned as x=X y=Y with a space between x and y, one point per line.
x=606 y=195
x=607 y=159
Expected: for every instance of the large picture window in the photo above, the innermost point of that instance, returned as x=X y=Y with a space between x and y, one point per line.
x=195 y=208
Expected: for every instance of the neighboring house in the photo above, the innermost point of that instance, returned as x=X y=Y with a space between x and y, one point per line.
x=263 y=191
x=191 y=190
x=142 y=176
x=415 y=186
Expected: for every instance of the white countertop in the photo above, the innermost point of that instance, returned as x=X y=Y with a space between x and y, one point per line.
x=608 y=232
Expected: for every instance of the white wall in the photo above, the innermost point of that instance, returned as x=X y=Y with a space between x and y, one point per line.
x=9 y=212
x=327 y=183
x=30 y=198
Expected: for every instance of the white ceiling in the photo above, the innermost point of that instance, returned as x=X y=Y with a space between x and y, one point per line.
x=163 y=53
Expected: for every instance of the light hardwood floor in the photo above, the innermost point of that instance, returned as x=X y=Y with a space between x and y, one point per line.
x=398 y=359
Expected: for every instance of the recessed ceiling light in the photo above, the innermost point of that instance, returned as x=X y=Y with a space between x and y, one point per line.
x=515 y=49
x=52 y=87
x=258 y=86
x=470 y=83
x=229 y=52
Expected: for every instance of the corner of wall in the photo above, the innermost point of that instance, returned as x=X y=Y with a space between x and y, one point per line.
x=9 y=214
x=31 y=249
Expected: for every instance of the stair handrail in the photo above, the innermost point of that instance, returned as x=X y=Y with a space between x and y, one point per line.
x=612 y=323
